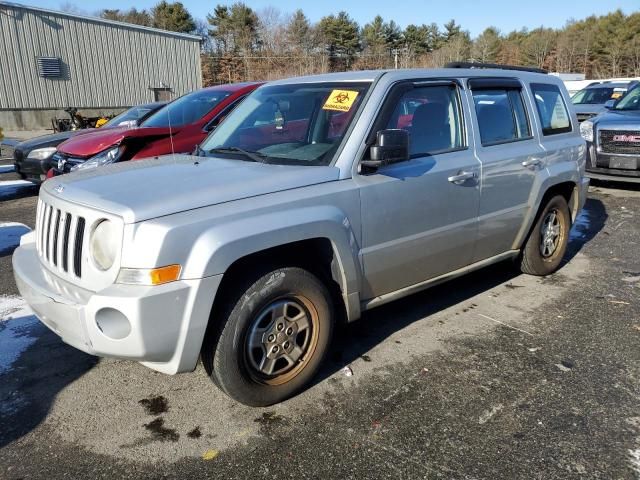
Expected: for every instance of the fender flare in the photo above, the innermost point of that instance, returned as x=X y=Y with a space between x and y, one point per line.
x=552 y=177
x=222 y=245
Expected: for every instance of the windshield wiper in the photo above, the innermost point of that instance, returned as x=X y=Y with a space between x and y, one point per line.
x=255 y=156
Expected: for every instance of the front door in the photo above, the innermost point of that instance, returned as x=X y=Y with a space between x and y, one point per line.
x=419 y=216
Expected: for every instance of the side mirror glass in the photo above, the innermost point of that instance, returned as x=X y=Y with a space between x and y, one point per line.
x=392 y=146
x=609 y=104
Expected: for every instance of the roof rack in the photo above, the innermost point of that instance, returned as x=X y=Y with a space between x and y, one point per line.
x=493 y=65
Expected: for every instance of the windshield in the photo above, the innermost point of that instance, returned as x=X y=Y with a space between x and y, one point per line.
x=301 y=124
x=631 y=101
x=596 y=96
x=131 y=116
x=186 y=109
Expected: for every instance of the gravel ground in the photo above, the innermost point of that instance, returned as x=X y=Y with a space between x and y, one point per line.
x=496 y=375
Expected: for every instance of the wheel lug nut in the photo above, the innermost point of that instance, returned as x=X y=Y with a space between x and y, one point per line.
x=289 y=331
x=271 y=338
x=280 y=327
x=286 y=345
x=275 y=349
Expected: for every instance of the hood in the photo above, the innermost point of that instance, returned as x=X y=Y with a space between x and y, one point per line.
x=152 y=188
x=589 y=108
x=618 y=119
x=43 y=141
x=94 y=142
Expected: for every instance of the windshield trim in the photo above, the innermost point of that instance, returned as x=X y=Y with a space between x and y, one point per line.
x=354 y=121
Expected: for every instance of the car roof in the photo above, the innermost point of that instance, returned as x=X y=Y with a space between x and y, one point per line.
x=403 y=74
x=609 y=85
x=230 y=87
x=150 y=105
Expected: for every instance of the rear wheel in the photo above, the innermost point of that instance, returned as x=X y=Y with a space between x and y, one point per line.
x=548 y=240
x=271 y=337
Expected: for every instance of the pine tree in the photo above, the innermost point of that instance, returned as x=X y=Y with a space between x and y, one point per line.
x=299 y=32
x=134 y=16
x=341 y=38
x=172 y=16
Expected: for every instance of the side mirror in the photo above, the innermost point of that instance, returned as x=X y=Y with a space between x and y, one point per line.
x=392 y=146
x=609 y=104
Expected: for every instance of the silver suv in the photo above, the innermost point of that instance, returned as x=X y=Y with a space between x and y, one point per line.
x=316 y=199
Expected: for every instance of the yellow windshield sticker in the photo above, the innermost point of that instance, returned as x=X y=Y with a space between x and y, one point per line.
x=340 y=100
x=615 y=95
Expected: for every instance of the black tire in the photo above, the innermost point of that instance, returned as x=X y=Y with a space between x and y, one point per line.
x=231 y=359
x=538 y=258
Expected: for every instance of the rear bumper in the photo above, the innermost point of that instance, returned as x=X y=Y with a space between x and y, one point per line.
x=162 y=326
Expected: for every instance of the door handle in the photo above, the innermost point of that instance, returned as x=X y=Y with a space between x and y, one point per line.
x=462 y=177
x=532 y=162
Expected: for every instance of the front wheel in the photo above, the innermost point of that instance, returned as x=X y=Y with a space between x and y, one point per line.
x=548 y=240
x=271 y=337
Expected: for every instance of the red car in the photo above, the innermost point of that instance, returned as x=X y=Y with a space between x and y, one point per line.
x=177 y=128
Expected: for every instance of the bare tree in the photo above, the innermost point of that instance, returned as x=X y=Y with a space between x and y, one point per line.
x=538 y=46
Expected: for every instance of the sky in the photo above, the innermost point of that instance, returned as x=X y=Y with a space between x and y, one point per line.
x=473 y=15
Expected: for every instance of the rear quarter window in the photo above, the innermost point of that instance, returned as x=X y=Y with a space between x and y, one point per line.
x=552 y=109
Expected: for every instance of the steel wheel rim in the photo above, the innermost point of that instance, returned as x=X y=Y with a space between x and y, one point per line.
x=281 y=340
x=550 y=233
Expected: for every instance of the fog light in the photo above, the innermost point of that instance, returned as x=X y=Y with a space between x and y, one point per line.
x=113 y=323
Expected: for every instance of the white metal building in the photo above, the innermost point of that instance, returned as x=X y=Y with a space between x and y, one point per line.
x=52 y=60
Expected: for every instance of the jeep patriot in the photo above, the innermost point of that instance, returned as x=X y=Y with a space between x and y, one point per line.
x=316 y=199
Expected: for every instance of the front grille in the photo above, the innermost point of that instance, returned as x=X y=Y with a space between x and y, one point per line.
x=64 y=163
x=60 y=238
x=620 y=141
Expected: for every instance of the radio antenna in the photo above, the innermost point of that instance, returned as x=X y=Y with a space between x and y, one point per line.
x=173 y=152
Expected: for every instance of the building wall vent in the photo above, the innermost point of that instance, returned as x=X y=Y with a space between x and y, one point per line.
x=49 y=67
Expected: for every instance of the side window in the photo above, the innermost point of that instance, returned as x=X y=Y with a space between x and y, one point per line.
x=501 y=115
x=433 y=118
x=215 y=121
x=551 y=109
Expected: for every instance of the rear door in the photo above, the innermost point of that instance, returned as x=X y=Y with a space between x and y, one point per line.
x=511 y=158
x=419 y=216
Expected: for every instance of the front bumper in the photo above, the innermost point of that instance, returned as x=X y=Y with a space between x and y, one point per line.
x=161 y=326
x=606 y=166
x=31 y=169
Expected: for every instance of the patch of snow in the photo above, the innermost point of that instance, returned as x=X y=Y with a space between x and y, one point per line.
x=7 y=168
x=487 y=414
x=10 y=233
x=18 y=330
x=12 y=187
x=635 y=461
x=581 y=226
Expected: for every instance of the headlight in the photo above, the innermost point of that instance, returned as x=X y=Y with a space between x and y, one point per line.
x=104 y=244
x=41 y=153
x=108 y=156
x=586 y=130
